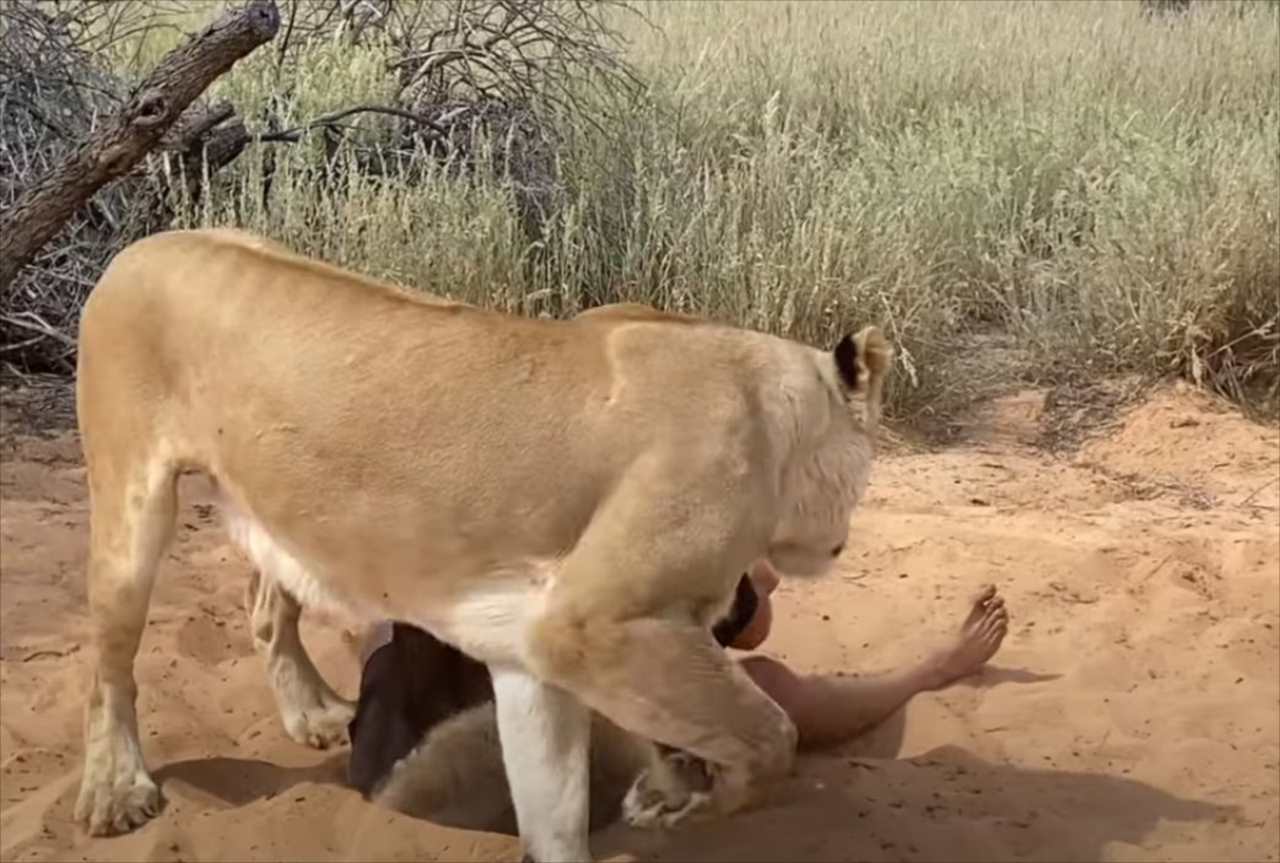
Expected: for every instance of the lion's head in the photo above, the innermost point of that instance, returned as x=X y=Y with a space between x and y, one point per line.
x=829 y=474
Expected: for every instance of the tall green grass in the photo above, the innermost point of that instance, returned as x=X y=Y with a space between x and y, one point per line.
x=1093 y=189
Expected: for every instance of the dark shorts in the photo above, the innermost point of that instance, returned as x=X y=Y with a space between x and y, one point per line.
x=414 y=682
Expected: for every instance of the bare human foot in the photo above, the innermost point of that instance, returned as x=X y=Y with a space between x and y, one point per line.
x=979 y=638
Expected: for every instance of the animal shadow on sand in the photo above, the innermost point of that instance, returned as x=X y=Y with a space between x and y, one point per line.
x=861 y=802
x=235 y=782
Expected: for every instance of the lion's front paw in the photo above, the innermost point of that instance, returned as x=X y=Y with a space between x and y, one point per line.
x=646 y=808
x=675 y=789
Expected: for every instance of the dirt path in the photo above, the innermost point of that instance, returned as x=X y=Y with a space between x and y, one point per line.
x=1134 y=712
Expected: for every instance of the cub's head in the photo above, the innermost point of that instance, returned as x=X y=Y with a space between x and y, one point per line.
x=829 y=468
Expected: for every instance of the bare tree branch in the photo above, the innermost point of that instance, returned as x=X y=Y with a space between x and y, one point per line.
x=116 y=146
x=295 y=134
x=485 y=86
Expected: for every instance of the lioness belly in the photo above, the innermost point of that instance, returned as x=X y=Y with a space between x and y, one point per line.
x=485 y=616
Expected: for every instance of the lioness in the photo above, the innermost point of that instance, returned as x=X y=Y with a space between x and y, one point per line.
x=569 y=502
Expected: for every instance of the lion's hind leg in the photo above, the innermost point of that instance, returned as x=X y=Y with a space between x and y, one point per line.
x=312 y=713
x=133 y=505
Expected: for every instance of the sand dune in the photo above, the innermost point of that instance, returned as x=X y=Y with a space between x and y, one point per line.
x=1132 y=714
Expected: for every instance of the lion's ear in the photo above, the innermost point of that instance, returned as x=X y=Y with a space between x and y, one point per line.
x=862 y=358
x=863 y=361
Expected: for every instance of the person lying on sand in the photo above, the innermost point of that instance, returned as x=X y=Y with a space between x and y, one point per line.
x=413 y=685
x=832 y=709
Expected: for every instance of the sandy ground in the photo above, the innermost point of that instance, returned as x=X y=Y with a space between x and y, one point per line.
x=1132 y=714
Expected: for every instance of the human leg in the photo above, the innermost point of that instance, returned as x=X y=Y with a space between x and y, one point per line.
x=831 y=709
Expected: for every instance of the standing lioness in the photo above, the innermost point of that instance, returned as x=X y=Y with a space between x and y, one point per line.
x=570 y=502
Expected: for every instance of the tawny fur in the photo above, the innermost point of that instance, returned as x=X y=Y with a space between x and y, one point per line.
x=455 y=777
x=570 y=502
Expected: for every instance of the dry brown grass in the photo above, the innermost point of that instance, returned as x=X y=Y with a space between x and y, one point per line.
x=1045 y=192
